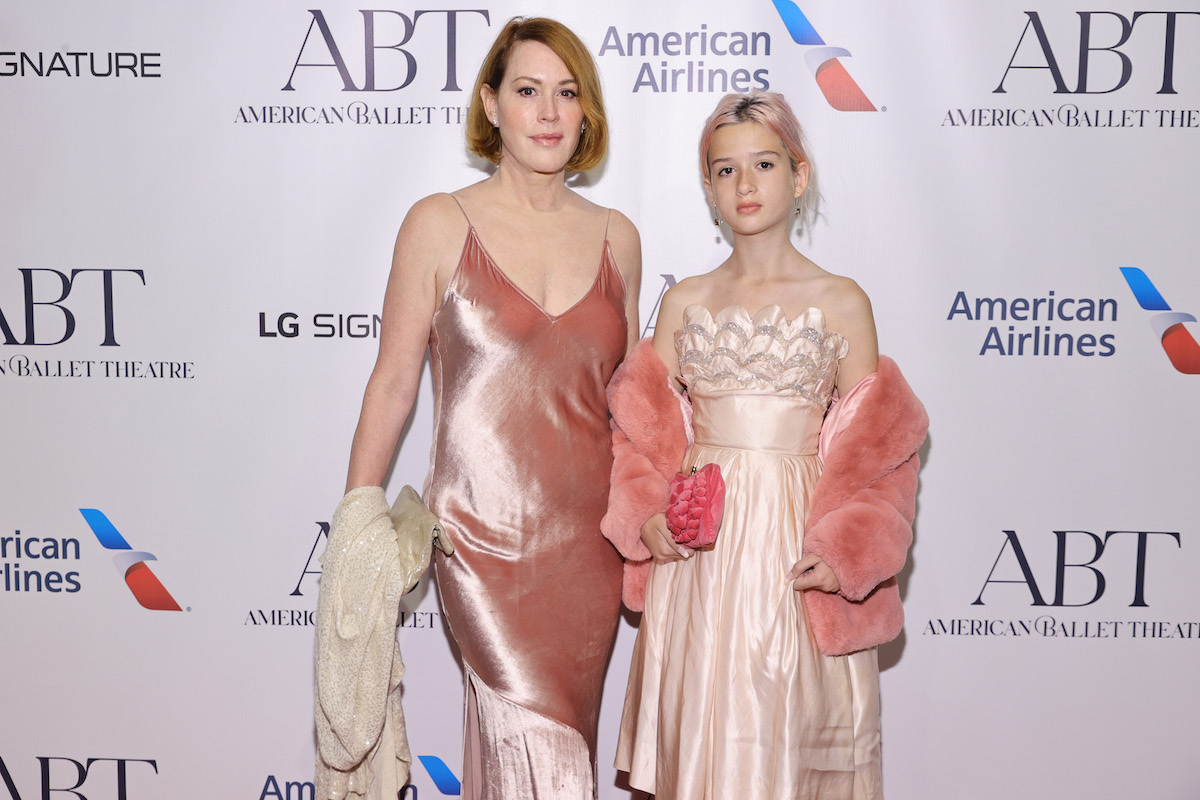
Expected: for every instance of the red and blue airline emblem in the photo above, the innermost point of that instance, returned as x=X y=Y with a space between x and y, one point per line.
x=1177 y=341
x=141 y=580
x=835 y=82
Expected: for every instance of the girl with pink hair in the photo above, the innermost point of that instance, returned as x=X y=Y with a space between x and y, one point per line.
x=755 y=672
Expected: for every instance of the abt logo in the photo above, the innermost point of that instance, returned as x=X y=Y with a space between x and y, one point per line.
x=66 y=776
x=401 y=64
x=1084 y=570
x=53 y=288
x=1100 y=32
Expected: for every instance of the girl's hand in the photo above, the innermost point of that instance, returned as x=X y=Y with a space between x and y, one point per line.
x=657 y=538
x=810 y=572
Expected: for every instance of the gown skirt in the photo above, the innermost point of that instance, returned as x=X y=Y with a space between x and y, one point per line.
x=728 y=694
x=519 y=474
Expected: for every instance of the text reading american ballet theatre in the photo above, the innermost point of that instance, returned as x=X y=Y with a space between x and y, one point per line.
x=394 y=47
x=1048 y=627
x=1070 y=115
x=48 y=308
x=352 y=114
x=310 y=573
x=1077 y=572
x=1114 y=55
x=22 y=366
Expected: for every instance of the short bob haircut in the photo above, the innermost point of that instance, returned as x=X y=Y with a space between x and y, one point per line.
x=483 y=139
x=770 y=110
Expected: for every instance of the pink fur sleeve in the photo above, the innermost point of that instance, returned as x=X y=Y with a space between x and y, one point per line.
x=865 y=540
x=860 y=522
x=649 y=440
x=636 y=493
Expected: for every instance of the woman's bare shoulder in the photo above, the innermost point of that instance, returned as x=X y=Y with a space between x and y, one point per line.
x=620 y=228
x=625 y=242
x=430 y=237
x=434 y=222
x=438 y=210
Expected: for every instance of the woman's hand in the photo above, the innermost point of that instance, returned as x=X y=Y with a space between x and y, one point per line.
x=811 y=572
x=658 y=540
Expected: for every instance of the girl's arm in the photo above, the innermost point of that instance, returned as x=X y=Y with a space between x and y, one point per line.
x=849 y=313
x=627 y=250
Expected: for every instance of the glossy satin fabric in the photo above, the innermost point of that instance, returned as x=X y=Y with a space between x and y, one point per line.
x=728 y=695
x=519 y=476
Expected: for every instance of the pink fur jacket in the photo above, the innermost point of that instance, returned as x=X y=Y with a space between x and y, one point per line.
x=863 y=506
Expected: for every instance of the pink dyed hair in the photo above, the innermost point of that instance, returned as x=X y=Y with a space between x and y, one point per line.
x=770 y=110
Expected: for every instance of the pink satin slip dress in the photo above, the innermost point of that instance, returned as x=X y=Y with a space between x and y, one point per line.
x=519 y=476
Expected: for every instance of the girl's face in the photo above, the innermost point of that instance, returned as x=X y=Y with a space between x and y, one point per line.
x=537 y=109
x=750 y=179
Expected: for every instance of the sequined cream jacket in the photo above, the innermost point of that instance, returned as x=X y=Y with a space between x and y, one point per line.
x=863 y=505
x=374 y=556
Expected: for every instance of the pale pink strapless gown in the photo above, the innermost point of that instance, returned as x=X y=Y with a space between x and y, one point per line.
x=728 y=695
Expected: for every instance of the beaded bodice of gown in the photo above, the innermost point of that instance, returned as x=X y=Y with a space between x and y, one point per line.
x=759 y=380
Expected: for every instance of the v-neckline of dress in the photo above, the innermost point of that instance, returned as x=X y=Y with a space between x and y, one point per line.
x=504 y=276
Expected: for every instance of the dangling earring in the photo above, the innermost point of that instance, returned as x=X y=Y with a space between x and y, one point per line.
x=583 y=126
x=798 y=209
x=716 y=216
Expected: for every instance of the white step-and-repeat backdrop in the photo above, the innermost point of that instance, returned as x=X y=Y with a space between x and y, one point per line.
x=197 y=208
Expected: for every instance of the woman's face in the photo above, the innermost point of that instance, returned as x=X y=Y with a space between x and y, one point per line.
x=537 y=109
x=750 y=178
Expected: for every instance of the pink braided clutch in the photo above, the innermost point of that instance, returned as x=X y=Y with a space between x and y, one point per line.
x=696 y=506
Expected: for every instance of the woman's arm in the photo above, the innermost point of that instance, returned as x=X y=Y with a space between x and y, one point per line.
x=408 y=306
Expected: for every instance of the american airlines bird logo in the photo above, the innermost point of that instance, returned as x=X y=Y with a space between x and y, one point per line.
x=141 y=580
x=835 y=82
x=1177 y=341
